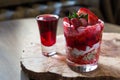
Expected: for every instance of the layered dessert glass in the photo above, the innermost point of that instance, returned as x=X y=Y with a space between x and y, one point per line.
x=83 y=35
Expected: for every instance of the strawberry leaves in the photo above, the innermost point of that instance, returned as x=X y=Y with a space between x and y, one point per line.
x=73 y=15
x=85 y=16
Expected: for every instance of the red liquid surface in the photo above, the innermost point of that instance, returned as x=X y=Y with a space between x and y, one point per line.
x=47 y=27
x=81 y=38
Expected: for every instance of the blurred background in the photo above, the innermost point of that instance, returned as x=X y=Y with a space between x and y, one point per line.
x=107 y=10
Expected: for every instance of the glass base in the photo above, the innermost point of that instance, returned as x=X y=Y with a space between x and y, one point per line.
x=48 y=51
x=82 y=68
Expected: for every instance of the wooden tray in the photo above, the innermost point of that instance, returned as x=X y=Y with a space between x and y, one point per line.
x=39 y=67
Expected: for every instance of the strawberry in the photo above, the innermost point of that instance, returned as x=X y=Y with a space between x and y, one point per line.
x=92 y=18
x=66 y=22
x=83 y=22
x=75 y=22
x=67 y=26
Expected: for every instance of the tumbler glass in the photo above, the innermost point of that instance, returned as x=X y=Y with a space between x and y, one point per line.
x=83 y=46
x=47 y=24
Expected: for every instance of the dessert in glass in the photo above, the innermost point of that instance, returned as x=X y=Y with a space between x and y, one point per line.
x=47 y=24
x=83 y=35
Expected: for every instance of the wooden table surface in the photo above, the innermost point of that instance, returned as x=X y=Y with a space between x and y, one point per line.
x=14 y=36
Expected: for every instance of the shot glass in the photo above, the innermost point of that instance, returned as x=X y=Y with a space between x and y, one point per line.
x=47 y=24
x=83 y=46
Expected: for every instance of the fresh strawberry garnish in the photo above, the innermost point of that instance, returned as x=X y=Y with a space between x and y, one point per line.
x=75 y=22
x=66 y=22
x=92 y=18
x=83 y=21
x=82 y=18
x=66 y=19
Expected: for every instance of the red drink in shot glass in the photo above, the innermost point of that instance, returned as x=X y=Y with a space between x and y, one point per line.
x=47 y=24
x=83 y=35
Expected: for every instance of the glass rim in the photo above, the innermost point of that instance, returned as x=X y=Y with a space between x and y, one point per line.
x=52 y=15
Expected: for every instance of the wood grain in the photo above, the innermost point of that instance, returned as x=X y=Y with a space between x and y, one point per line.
x=39 y=67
